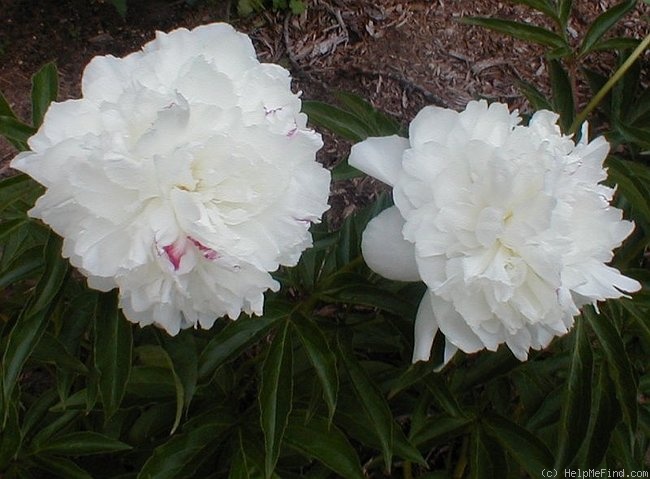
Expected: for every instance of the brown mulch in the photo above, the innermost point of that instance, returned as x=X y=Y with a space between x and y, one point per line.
x=398 y=54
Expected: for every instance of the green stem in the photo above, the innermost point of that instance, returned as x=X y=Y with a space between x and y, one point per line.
x=408 y=471
x=582 y=116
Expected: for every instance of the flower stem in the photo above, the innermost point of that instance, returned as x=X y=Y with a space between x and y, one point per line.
x=582 y=116
x=407 y=472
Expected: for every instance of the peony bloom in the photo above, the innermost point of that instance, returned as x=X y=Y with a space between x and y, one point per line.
x=507 y=225
x=183 y=176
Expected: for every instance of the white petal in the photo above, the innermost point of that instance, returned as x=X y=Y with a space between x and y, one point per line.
x=454 y=327
x=386 y=251
x=380 y=157
x=425 y=330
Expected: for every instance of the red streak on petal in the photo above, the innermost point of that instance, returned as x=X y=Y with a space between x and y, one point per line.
x=174 y=252
x=208 y=253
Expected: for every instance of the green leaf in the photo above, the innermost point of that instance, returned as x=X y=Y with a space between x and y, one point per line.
x=576 y=408
x=444 y=397
x=50 y=350
x=523 y=31
x=351 y=292
x=45 y=86
x=275 y=397
x=605 y=415
x=535 y=97
x=28 y=329
x=485 y=460
x=336 y=120
x=371 y=399
x=81 y=444
x=237 y=336
x=563 y=102
x=632 y=180
x=239 y=468
x=564 y=8
x=321 y=357
x=113 y=350
x=375 y=121
x=357 y=425
x=531 y=453
x=62 y=467
x=51 y=283
x=10 y=437
x=604 y=23
x=439 y=429
x=619 y=43
x=343 y=171
x=171 y=457
x=15 y=131
x=618 y=363
x=325 y=442
x=542 y=6
x=5 y=108
x=183 y=362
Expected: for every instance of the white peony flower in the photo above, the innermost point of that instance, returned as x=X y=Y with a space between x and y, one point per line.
x=507 y=225
x=183 y=176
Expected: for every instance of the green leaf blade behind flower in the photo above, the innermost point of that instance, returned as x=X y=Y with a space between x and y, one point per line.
x=522 y=31
x=563 y=101
x=324 y=441
x=371 y=399
x=170 y=458
x=276 y=395
x=576 y=408
x=336 y=120
x=45 y=87
x=113 y=346
x=237 y=336
x=30 y=326
x=82 y=443
x=16 y=132
x=604 y=23
x=183 y=362
x=321 y=357
x=529 y=452
x=618 y=363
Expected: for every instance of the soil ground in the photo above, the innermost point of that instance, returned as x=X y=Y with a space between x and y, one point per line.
x=398 y=54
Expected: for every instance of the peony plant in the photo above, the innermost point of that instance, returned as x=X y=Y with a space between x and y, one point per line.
x=509 y=226
x=184 y=181
x=183 y=176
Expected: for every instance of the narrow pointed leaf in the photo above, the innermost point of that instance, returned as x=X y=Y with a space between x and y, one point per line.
x=28 y=329
x=541 y=6
x=235 y=337
x=535 y=97
x=183 y=362
x=562 y=94
x=605 y=416
x=170 y=458
x=15 y=131
x=564 y=11
x=336 y=120
x=321 y=357
x=604 y=23
x=113 y=352
x=530 y=452
x=45 y=86
x=371 y=399
x=62 y=467
x=81 y=444
x=618 y=363
x=275 y=396
x=5 y=108
x=576 y=407
x=324 y=441
x=523 y=31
